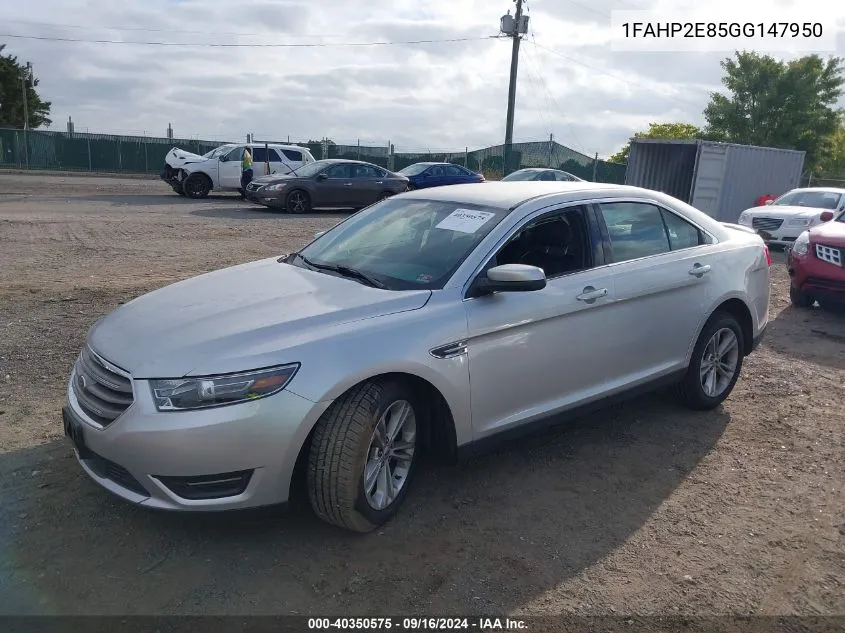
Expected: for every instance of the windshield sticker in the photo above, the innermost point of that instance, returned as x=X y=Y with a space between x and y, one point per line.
x=425 y=278
x=465 y=220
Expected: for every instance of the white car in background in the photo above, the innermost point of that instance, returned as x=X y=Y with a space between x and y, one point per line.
x=196 y=176
x=784 y=219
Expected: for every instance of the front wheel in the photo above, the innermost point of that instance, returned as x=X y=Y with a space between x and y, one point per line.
x=715 y=364
x=800 y=299
x=297 y=202
x=197 y=186
x=363 y=456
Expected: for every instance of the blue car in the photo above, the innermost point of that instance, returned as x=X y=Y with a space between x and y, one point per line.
x=423 y=175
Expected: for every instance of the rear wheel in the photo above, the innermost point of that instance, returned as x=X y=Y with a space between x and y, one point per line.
x=800 y=299
x=197 y=186
x=297 y=201
x=363 y=456
x=715 y=364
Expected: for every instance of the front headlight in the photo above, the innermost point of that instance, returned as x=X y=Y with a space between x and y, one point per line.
x=800 y=221
x=745 y=218
x=182 y=394
x=801 y=244
x=275 y=187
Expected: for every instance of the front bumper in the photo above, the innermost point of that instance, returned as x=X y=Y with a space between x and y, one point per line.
x=785 y=235
x=817 y=278
x=267 y=199
x=223 y=458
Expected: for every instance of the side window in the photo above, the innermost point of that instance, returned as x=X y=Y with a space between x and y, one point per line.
x=547 y=175
x=453 y=170
x=339 y=171
x=259 y=154
x=437 y=170
x=365 y=171
x=682 y=234
x=274 y=156
x=558 y=243
x=236 y=154
x=563 y=176
x=292 y=155
x=636 y=230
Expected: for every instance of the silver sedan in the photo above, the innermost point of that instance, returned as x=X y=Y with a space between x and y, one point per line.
x=439 y=320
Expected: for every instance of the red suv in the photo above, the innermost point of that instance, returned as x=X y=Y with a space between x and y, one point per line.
x=817 y=264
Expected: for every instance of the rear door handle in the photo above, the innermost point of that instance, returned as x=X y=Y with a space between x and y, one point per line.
x=379 y=182
x=347 y=184
x=698 y=270
x=590 y=294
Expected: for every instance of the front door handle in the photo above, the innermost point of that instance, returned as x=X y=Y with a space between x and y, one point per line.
x=590 y=294
x=347 y=184
x=380 y=182
x=698 y=270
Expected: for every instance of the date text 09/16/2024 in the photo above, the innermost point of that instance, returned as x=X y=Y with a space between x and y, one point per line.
x=417 y=624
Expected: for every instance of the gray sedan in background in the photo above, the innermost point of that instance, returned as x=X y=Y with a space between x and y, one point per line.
x=336 y=366
x=326 y=184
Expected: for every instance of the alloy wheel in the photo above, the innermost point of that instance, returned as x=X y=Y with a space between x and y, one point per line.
x=297 y=202
x=390 y=455
x=719 y=362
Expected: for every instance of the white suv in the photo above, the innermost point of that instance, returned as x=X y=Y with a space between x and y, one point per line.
x=195 y=176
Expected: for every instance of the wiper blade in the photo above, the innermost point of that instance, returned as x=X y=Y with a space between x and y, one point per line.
x=346 y=271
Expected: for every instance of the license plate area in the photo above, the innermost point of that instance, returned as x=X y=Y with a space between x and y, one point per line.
x=73 y=430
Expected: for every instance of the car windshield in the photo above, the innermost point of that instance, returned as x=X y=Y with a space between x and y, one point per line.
x=812 y=199
x=404 y=244
x=218 y=151
x=312 y=169
x=522 y=174
x=413 y=170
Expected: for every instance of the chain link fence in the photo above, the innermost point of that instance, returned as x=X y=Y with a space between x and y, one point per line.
x=107 y=153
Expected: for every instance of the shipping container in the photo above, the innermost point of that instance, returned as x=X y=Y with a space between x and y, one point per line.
x=721 y=179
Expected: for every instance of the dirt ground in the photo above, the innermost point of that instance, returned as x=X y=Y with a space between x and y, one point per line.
x=641 y=509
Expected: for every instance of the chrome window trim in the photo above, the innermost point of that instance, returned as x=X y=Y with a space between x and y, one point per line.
x=561 y=206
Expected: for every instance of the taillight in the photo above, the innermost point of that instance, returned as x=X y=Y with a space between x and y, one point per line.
x=768 y=255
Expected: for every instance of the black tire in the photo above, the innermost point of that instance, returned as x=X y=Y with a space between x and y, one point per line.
x=340 y=449
x=177 y=188
x=384 y=195
x=197 y=186
x=690 y=392
x=800 y=299
x=298 y=202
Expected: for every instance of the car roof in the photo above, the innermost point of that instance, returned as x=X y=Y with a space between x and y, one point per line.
x=348 y=161
x=508 y=195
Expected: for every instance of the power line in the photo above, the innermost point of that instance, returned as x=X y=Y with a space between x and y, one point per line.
x=234 y=45
x=90 y=27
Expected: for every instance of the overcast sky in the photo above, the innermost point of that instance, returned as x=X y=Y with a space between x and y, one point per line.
x=437 y=96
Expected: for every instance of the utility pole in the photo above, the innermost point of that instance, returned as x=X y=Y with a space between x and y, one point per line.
x=513 y=27
x=25 y=78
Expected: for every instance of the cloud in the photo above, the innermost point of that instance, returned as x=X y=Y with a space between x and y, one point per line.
x=444 y=96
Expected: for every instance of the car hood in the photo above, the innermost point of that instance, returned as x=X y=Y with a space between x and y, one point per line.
x=178 y=158
x=831 y=233
x=236 y=319
x=785 y=211
x=270 y=179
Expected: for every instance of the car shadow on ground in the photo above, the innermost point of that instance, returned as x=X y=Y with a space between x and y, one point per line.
x=542 y=509
x=815 y=335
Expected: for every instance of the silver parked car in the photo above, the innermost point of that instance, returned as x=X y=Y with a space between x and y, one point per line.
x=436 y=320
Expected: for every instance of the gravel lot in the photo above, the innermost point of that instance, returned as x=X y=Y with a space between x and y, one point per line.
x=641 y=509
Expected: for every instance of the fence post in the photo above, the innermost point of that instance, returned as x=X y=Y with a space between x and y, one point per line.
x=119 y=155
x=359 y=149
x=595 y=166
x=551 y=147
x=466 y=157
x=26 y=146
x=146 y=161
x=90 y=168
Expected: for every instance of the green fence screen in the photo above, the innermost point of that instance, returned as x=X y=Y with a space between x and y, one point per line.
x=60 y=151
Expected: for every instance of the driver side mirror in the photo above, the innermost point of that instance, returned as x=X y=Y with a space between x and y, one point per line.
x=509 y=278
x=322 y=176
x=826 y=216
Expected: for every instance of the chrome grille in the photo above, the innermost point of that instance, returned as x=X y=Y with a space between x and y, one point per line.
x=829 y=254
x=766 y=224
x=101 y=390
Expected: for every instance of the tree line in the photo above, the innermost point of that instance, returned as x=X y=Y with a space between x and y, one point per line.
x=772 y=103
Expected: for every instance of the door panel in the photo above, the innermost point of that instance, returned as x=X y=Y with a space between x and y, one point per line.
x=230 y=169
x=534 y=353
x=662 y=293
x=337 y=189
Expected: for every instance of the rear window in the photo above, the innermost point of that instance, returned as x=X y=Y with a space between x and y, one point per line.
x=292 y=155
